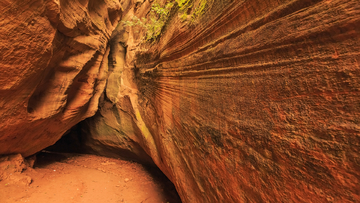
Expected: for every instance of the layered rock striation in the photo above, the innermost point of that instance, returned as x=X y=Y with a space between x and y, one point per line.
x=257 y=101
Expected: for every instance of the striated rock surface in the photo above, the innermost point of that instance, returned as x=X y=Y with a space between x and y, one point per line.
x=51 y=67
x=256 y=101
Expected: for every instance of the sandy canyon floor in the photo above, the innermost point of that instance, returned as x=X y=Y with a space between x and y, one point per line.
x=69 y=178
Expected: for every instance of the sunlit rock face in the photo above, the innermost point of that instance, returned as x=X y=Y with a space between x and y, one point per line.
x=51 y=67
x=257 y=101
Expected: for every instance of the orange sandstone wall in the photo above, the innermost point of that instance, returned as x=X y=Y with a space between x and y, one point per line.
x=258 y=102
x=51 y=72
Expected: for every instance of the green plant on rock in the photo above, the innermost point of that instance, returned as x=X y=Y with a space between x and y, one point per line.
x=199 y=10
x=158 y=16
x=183 y=4
x=156 y=21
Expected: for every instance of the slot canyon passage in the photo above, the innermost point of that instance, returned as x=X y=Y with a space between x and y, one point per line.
x=233 y=100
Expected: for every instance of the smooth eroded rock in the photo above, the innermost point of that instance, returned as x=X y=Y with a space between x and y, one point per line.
x=51 y=68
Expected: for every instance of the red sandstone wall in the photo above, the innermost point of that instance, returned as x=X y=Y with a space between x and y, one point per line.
x=50 y=68
x=259 y=102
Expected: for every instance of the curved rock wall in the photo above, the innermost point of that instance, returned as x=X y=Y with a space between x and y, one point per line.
x=51 y=73
x=258 y=102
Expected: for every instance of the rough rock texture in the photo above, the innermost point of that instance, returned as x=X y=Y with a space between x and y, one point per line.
x=256 y=102
x=51 y=74
x=11 y=168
